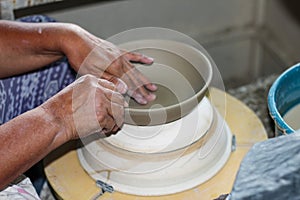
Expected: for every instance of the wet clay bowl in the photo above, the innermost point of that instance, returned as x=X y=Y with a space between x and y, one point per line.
x=181 y=72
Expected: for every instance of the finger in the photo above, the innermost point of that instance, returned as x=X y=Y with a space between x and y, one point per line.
x=120 y=85
x=107 y=84
x=136 y=92
x=107 y=133
x=113 y=103
x=141 y=95
x=115 y=130
x=115 y=97
x=116 y=111
x=139 y=98
x=106 y=122
x=128 y=67
x=138 y=57
x=146 y=82
x=112 y=132
x=139 y=81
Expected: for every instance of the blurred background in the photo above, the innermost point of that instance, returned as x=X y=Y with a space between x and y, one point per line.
x=246 y=39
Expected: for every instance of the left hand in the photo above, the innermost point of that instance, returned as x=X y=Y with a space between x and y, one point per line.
x=89 y=54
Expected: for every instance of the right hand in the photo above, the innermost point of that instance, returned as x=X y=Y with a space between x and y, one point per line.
x=88 y=105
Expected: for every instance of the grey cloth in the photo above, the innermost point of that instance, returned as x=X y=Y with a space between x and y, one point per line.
x=21 y=93
x=270 y=170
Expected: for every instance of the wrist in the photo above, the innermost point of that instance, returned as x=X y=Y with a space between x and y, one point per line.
x=56 y=117
x=73 y=45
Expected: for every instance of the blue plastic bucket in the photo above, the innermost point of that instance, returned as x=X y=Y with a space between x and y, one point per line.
x=284 y=95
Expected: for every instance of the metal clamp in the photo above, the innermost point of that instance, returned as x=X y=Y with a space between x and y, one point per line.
x=104 y=188
x=233 y=143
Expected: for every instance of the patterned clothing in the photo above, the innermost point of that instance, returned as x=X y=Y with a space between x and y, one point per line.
x=21 y=93
x=24 y=92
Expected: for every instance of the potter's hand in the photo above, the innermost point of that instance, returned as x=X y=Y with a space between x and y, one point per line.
x=89 y=105
x=89 y=54
x=39 y=44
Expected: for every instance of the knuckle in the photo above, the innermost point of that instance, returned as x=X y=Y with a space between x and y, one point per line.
x=101 y=116
x=89 y=77
x=108 y=82
x=117 y=96
x=117 y=63
x=136 y=54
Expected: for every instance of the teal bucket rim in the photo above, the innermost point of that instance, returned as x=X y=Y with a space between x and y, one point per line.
x=274 y=112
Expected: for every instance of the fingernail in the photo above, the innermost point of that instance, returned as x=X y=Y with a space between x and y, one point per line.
x=151 y=97
x=148 y=60
x=154 y=87
x=142 y=101
x=139 y=98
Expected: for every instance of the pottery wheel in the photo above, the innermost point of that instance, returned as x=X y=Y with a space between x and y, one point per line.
x=70 y=181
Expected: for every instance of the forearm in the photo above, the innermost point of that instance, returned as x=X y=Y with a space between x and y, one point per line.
x=25 y=140
x=28 y=46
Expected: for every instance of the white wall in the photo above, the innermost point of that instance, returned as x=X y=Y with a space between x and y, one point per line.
x=190 y=16
x=227 y=29
x=285 y=28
